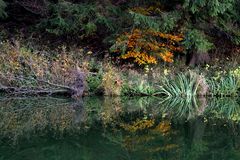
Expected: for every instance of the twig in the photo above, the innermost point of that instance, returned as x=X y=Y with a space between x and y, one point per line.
x=55 y=85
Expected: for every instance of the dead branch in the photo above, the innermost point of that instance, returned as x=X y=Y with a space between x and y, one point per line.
x=52 y=89
x=19 y=91
x=55 y=85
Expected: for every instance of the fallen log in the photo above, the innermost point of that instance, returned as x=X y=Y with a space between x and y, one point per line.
x=76 y=88
x=34 y=92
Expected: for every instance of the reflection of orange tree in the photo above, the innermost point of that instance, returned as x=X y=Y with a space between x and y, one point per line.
x=138 y=125
x=164 y=127
x=147 y=46
x=138 y=142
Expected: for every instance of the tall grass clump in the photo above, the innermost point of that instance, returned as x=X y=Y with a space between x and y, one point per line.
x=185 y=85
x=224 y=86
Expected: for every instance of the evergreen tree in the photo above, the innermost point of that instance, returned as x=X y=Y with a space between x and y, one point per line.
x=207 y=20
x=3 y=5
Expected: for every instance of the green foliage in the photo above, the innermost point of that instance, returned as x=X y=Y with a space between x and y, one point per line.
x=3 y=5
x=231 y=29
x=222 y=14
x=196 y=40
x=144 y=21
x=94 y=83
x=164 y=22
x=169 y=20
x=207 y=22
x=211 y=8
x=70 y=18
x=223 y=86
x=183 y=85
x=236 y=73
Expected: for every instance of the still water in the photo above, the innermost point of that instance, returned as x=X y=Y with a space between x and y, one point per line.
x=104 y=128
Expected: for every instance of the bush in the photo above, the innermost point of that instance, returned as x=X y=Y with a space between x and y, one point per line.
x=94 y=83
x=147 y=46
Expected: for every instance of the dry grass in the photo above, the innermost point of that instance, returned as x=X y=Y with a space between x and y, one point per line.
x=111 y=82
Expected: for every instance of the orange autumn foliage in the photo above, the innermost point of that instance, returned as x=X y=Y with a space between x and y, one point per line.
x=140 y=58
x=148 y=46
x=167 y=56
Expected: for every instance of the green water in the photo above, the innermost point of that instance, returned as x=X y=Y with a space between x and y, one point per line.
x=104 y=128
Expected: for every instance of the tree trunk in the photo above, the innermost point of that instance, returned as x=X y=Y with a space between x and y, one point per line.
x=196 y=58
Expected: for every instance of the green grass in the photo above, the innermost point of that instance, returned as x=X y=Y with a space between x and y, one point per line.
x=183 y=85
x=223 y=87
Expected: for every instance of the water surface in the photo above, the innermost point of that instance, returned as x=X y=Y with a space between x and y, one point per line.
x=104 y=128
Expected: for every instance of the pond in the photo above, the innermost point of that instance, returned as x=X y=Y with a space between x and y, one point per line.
x=105 y=128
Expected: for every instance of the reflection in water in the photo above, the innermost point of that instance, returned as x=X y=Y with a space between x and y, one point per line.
x=119 y=128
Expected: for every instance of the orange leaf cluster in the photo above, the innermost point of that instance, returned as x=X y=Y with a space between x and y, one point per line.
x=171 y=37
x=167 y=56
x=163 y=127
x=146 y=47
x=140 y=57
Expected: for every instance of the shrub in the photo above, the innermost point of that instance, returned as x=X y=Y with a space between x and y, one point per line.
x=94 y=83
x=147 y=46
